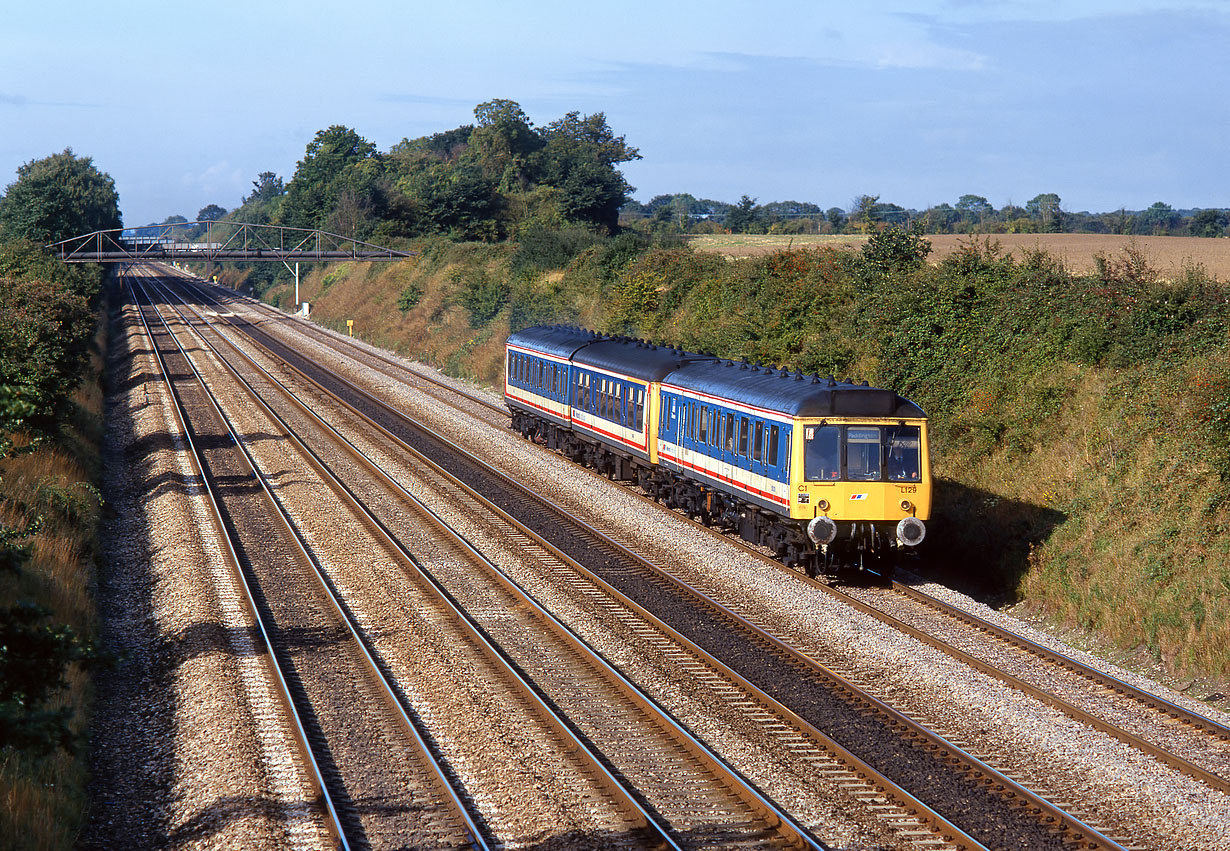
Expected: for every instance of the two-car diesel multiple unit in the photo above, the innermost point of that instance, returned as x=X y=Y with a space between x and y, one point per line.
x=828 y=475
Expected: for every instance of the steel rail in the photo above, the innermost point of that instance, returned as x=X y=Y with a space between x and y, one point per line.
x=946 y=829
x=333 y=822
x=475 y=836
x=337 y=343
x=1103 y=678
x=975 y=766
x=795 y=833
x=1008 y=637
x=1148 y=699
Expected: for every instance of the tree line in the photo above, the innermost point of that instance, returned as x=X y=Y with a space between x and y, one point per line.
x=482 y=181
x=48 y=313
x=969 y=214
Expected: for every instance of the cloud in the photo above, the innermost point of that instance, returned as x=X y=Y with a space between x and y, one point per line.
x=216 y=179
x=7 y=99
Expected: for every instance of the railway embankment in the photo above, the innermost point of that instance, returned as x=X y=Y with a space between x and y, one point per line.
x=52 y=352
x=1081 y=418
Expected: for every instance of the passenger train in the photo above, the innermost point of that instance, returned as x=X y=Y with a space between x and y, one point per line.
x=829 y=475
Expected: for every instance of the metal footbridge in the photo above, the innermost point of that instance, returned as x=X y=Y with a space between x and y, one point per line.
x=217 y=242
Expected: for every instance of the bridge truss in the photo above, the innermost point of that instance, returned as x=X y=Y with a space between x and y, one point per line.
x=218 y=242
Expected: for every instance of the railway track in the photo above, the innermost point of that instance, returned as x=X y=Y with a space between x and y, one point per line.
x=1199 y=749
x=701 y=798
x=923 y=753
x=303 y=678
x=911 y=821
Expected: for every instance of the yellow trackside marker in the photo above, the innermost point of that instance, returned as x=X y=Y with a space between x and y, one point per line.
x=350 y=326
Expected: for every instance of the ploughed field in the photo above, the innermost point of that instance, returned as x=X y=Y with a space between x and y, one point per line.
x=1167 y=253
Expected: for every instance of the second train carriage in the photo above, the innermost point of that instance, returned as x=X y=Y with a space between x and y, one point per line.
x=827 y=474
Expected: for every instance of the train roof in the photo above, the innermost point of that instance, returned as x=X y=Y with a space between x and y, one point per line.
x=560 y=340
x=635 y=358
x=791 y=393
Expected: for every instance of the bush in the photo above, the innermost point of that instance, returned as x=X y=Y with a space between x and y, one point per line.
x=409 y=297
x=540 y=248
x=483 y=294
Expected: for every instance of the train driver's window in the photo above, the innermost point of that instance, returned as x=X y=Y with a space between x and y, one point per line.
x=901 y=462
x=863 y=453
x=821 y=453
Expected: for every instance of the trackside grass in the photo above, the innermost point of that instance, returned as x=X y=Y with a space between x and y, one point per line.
x=43 y=795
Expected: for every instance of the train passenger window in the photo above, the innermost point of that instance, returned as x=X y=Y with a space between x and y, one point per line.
x=758 y=449
x=902 y=453
x=743 y=436
x=821 y=453
x=863 y=453
x=730 y=432
x=771 y=455
x=703 y=435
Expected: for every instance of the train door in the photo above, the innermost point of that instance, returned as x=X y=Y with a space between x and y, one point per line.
x=758 y=449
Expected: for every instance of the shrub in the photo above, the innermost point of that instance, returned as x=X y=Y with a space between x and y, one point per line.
x=483 y=294
x=410 y=296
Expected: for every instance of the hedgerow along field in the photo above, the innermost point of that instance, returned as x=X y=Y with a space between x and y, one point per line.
x=1081 y=417
x=1076 y=250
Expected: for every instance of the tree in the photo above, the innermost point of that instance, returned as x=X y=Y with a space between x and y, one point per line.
x=1209 y=223
x=502 y=143
x=210 y=213
x=313 y=192
x=266 y=188
x=974 y=208
x=864 y=212
x=58 y=197
x=742 y=215
x=580 y=156
x=941 y=218
x=836 y=217
x=1160 y=218
x=1045 y=209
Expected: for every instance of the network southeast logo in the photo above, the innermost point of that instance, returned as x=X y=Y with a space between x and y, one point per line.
x=857 y=496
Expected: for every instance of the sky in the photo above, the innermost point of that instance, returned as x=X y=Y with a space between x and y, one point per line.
x=1108 y=103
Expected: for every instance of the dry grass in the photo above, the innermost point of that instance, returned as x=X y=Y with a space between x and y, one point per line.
x=44 y=797
x=1169 y=254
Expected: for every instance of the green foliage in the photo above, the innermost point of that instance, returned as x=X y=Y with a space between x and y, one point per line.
x=328 y=166
x=540 y=248
x=58 y=197
x=895 y=249
x=34 y=656
x=483 y=294
x=742 y=217
x=410 y=296
x=45 y=334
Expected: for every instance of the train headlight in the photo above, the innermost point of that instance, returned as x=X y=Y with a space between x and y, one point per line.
x=822 y=530
x=906 y=505
x=910 y=532
x=823 y=505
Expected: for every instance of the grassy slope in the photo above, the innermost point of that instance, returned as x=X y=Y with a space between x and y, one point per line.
x=44 y=797
x=1082 y=471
